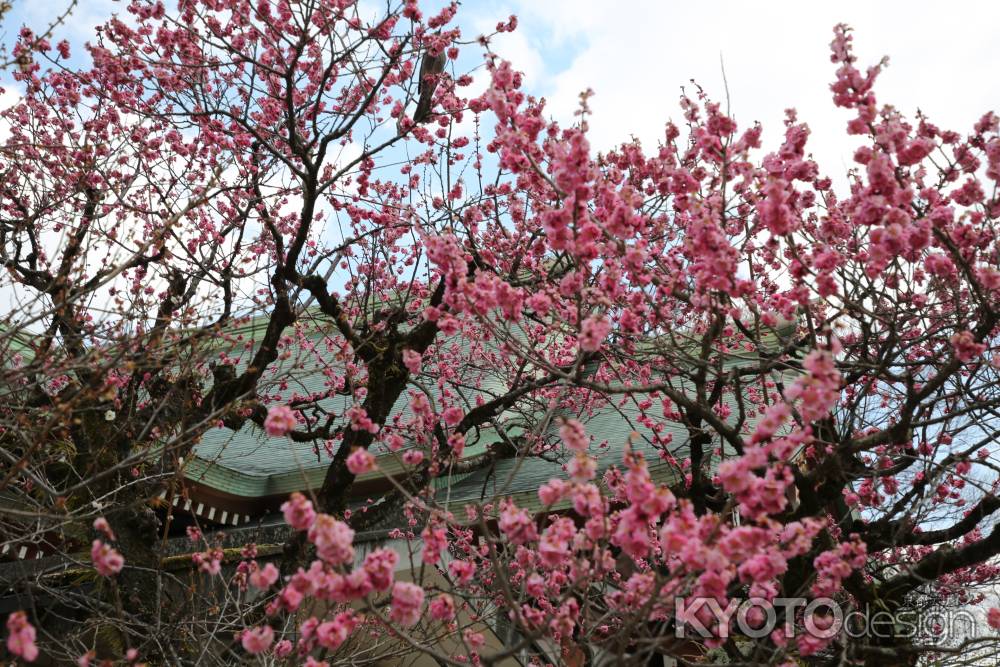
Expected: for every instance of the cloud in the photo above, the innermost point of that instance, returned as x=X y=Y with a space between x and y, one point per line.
x=636 y=55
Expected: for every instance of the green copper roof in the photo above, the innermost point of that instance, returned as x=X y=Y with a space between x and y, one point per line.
x=249 y=463
x=610 y=427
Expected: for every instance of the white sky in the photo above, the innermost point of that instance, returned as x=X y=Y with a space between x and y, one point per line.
x=636 y=54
